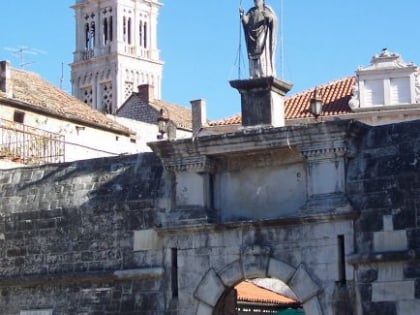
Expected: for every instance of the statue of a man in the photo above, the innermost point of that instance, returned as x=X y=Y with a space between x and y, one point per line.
x=260 y=27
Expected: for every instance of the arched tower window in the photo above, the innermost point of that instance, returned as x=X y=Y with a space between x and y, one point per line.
x=105 y=31
x=129 y=31
x=111 y=28
x=145 y=35
x=92 y=35
x=141 y=33
x=125 y=28
x=87 y=35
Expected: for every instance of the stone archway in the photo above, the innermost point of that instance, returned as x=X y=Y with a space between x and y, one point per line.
x=256 y=262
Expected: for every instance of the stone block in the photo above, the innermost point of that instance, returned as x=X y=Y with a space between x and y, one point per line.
x=390 y=241
x=409 y=307
x=390 y=272
x=204 y=309
x=382 y=308
x=393 y=291
x=210 y=289
x=146 y=240
x=280 y=270
x=303 y=285
x=254 y=266
x=232 y=273
x=312 y=307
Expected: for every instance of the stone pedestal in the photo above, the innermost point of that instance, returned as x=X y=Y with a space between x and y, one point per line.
x=262 y=101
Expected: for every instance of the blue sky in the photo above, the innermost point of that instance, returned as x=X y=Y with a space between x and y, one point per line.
x=324 y=40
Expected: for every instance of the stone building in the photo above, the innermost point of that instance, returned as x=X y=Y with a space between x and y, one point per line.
x=327 y=206
x=116 y=51
x=40 y=123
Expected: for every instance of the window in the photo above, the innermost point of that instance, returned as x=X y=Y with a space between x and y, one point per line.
x=19 y=116
x=400 y=91
x=145 y=35
x=111 y=29
x=129 y=31
x=374 y=92
x=141 y=33
x=124 y=29
x=105 y=30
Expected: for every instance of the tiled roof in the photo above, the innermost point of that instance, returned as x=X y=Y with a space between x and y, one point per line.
x=180 y=115
x=335 y=95
x=30 y=89
x=250 y=292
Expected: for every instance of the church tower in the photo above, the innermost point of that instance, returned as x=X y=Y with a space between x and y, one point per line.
x=116 y=51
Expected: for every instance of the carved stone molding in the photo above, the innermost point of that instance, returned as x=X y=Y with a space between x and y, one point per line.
x=320 y=153
x=196 y=164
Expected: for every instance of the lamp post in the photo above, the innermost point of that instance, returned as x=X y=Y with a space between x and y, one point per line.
x=316 y=104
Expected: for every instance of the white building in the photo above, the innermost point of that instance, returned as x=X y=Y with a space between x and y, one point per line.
x=116 y=51
x=39 y=123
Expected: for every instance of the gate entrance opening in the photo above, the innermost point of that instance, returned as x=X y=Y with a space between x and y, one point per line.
x=259 y=296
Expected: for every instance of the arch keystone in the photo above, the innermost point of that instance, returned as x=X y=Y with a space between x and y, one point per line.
x=210 y=289
x=255 y=261
x=204 y=309
x=303 y=286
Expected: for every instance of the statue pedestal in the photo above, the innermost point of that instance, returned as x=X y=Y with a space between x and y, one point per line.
x=262 y=101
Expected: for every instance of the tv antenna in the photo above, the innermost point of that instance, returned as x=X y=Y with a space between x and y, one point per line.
x=21 y=52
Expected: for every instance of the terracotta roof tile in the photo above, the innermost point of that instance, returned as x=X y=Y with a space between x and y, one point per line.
x=31 y=89
x=180 y=115
x=250 y=292
x=335 y=95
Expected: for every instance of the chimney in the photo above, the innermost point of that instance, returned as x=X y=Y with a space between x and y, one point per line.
x=199 y=115
x=5 y=78
x=146 y=93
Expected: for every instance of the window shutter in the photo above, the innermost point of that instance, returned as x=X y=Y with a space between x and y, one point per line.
x=374 y=92
x=400 y=91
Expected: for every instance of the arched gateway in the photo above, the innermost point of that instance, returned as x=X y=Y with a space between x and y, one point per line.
x=257 y=262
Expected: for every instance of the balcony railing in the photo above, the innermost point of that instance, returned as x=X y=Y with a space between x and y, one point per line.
x=28 y=145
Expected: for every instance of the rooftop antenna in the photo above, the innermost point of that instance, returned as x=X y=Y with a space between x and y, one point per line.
x=21 y=52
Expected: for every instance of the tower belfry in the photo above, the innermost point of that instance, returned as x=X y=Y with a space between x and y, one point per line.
x=116 y=50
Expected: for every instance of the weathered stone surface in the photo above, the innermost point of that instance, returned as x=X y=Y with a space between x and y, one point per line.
x=303 y=285
x=393 y=291
x=382 y=308
x=210 y=289
x=280 y=270
x=408 y=307
x=232 y=273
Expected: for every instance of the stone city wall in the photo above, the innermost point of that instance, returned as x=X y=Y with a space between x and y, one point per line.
x=66 y=237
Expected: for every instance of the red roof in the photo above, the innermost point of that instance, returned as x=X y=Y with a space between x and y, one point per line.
x=335 y=96
x=250 y=292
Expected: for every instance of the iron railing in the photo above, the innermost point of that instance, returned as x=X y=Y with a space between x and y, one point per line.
x=28 y=145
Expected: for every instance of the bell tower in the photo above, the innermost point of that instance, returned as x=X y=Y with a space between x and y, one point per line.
x=116 y=51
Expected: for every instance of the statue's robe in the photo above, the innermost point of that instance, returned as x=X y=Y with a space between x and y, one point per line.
x=260 y=33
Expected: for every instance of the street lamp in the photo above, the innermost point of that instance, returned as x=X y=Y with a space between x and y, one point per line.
x=316 y=104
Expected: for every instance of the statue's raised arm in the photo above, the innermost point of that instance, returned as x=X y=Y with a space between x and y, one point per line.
x=260 y=28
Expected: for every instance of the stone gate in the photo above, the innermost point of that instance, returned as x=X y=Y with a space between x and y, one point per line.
x=330 y=209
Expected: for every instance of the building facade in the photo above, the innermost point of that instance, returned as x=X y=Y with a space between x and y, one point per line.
x=116 y=50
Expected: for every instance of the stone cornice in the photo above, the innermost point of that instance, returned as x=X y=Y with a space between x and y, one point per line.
x=322 y=135
x=197 y=164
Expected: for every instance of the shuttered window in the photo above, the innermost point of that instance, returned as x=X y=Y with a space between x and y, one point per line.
x=400 y=91
x=374 y=92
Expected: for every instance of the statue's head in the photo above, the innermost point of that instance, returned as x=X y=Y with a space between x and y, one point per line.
x=259 y=3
